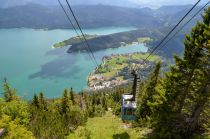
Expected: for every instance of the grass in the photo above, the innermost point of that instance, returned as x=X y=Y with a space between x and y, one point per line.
x=59 y=45
x=202 y=136
x=120 y=63
x=120 y=78
x=110 y=74
x=111 y=127
x=73 y=40
x=116 y=64
x=106 y=127
x=144 y=40
x=143 y=56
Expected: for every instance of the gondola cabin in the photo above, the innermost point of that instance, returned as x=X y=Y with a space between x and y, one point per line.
x=128 y=107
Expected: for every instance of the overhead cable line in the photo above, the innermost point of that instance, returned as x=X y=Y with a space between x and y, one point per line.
x=172 y=30
x=69 y=19
x=185 y=24
x=81 y=32
x=162 y=41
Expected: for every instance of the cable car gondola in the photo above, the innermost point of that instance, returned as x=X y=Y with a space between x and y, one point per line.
x=128 y=102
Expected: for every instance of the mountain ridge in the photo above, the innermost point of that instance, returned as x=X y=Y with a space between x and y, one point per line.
x=52 y=17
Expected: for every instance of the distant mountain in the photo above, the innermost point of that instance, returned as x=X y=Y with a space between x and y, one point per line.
x=121 y=3
x=11 y=3
x=37 y=16
x=169 y=10
x=179 y=14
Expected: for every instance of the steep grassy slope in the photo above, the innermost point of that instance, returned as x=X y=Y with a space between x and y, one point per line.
x=107 y=127
x=111 y=127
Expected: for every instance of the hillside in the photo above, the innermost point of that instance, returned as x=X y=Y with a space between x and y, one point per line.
x=115 y=70
x=122 y=3
x=149 y=36
x=37 y=16
x=172 y=9
x=12 y=3
x=179 y=14
x=108 y=127
x=52 y=16
x=117 y=40
x=73 y=40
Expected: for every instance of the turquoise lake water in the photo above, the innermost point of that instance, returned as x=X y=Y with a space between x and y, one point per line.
x=31 y=66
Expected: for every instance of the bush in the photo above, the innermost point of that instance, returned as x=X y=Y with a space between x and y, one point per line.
x=99 y=110
x=80 y=133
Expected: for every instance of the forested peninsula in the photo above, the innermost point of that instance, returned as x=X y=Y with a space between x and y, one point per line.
x=115 y=40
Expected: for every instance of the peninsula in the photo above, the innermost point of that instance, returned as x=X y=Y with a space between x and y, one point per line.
x=73 y=40
x=115 y=69
x=115 y=40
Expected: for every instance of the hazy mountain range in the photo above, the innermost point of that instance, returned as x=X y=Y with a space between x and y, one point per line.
x=122 y=3
x=39 y=16
x=95 y=16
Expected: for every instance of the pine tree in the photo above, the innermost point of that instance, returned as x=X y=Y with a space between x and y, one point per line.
x=81 y=101
x=72 y=96
x=8 y=92
x=144 y=108
x=200 y=93
x=103 y=101
x=42 y=101
x=187 y=85
x=65 y=102
x=36 y=102
x=93 y=99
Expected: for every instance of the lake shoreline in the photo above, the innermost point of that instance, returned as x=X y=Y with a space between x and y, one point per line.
x=39 y=68
x=51 y=29
x=114 y=70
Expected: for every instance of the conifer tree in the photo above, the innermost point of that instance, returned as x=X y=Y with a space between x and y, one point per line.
x=93 y=99
x=36 y=102
x=144 y=109
x=187 y=85
x=72 y=96
x=65 y=102
x=80 y=100
x=103 y=101
x=42 y=101
x=8 y=92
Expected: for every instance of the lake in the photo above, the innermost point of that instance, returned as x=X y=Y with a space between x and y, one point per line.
x=31 y=65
